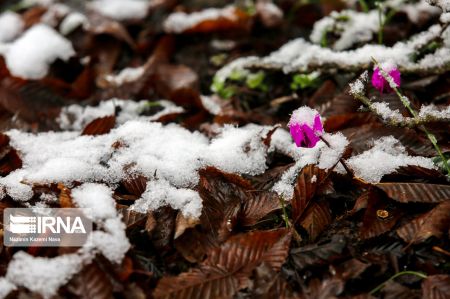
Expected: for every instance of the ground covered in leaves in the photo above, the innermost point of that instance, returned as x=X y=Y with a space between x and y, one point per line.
x=143 y=112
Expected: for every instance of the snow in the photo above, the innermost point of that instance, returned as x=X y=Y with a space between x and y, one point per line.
x=40 y=274
x=160 y=193
x=89 y=193
x=359 y=28
x=325 y=157
x=126 y=75
x=386 y=113
x=179 y=22
x=299 y=55
x=443 y=4
x=11 y=25
x=359 y=86
x=445 y=17
x=54 y=14
x=6 y=287
x=383 y=158
x=46 y=275
x=76 y=117
x=303 y=115
x=355 y=27
x=67 y=157
x=72 y=21
x=121 y=10
x=211 y=104
x=431 y=111
x=30 y=56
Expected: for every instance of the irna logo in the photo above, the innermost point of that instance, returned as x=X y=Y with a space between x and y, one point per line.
x=46 y=227
x=44 y=224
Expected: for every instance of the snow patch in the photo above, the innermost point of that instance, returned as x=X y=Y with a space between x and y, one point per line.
x=383 y=158
x=121 y=10
x=30 y=56
x=179 y=22
x=11 y=25
x=76 y=117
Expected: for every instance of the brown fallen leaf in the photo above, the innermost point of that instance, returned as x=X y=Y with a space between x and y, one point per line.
x=416 y=192
x=436 y=287
x=91 y=283
x=306 y=186
x=316 y=218
x=182 y=223
x=227 y=268
x=10 y=162
x=379 y=217
x=65 y=198
x=135 y=184
x=100 y=126
x=433 y=223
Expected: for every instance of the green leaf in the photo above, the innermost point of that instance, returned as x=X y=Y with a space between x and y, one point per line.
x=303 y=81
x=256 y=81
x=224 y=91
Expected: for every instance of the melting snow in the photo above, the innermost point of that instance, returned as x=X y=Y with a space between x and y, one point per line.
x=179 y=22
x=383 y=158
x=121 y=9
x=32 y=53
x=76 y=117
x=11 y=25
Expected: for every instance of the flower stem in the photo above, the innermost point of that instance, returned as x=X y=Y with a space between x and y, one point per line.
x=380 y=286
x=363 y=5
x=381 y=23
x=407 y=104
x=285 y=215
x=340 y=160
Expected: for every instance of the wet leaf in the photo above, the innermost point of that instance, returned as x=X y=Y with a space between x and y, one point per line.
x=100 y=126
x=92 y=283
x=136 y=185
x=182 y=223
x=350 y=269
x=316 y=218
x=416 y=192
x=318 y=253
x=436 y=287
x=222 y=194
x=65 y=198
x=325 y=289
x=305 y=188
x=434 y=223
x=227 y=268
x=379 y=217
x=10 y=162
x=257 y=206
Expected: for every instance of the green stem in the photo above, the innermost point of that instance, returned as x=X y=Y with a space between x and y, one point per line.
x=406 y=103
x=380 y=286
x=381 y=23
x=364 y=5
x=285 y=215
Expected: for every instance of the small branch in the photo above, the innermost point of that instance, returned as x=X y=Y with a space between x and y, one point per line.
x=409 y=122
x=406 y=103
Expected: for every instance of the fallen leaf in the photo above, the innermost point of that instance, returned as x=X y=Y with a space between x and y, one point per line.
x=436 y=287
x=416 y=192
x=433 y=223
x=100 y=126
x=227 y=268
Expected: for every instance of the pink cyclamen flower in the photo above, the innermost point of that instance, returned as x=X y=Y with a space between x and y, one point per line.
x=306 y=127
x=380 y=83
